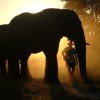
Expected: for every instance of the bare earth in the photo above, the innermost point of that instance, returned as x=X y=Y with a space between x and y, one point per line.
x=36 y=89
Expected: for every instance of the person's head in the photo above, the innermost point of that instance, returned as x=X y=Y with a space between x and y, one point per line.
x=70 y=43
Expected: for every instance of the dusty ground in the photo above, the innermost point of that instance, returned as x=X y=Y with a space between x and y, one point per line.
x=36 y=89
x=11 y=89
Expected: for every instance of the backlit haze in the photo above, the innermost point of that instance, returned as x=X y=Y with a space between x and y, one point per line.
x=10 y=8
x=36 y=62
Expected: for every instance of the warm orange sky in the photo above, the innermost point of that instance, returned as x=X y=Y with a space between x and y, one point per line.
x=10 y=8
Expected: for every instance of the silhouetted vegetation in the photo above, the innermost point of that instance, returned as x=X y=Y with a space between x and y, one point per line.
x=89 y=11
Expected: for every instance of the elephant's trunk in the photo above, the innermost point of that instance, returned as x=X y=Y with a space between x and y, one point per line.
x=80 y=45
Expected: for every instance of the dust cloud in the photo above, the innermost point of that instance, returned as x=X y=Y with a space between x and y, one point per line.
x=36 y=63
x=93 y=56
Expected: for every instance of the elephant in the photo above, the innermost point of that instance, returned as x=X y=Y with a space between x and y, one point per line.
x=13 y=64
x=2 y=52
x=31 y=33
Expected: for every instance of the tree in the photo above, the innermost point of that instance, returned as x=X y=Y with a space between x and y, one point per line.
x=89 y=12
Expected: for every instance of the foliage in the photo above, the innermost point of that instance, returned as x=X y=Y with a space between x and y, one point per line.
x=89 y=11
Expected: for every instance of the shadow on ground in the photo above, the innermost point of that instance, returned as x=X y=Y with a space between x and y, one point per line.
x=11 y=89
x=36 y=89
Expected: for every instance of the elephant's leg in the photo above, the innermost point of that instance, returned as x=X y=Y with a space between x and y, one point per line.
x=51 y=70
x=83 y=71
x=24 y=67
x=3 y=66
x=13 y=67
x=81 y=52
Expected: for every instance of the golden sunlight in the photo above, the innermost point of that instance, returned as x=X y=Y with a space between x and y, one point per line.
x=11 y=8
x=36 y=63
x=39 y=6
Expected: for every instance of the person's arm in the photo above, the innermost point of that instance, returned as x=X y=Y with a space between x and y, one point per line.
x=64 y=54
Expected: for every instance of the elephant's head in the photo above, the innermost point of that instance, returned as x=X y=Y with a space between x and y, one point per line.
x=73 y=31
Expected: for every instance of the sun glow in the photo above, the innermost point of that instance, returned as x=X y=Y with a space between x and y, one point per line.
x=36 y=7
x=11 y=8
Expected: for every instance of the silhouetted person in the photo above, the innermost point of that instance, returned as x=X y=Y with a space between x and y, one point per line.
x=70 y=56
